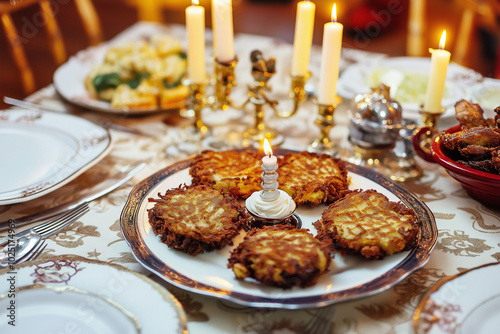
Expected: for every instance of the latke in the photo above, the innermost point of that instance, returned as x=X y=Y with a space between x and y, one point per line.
x=367 y=223
x=281 y=256
x=195 y=219
x=312 y=178
x=229 y=172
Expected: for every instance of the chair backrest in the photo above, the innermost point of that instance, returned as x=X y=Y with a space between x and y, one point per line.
x=474 y=13
x=87 y=13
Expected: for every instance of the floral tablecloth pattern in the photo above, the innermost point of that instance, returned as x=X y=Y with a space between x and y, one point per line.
x=469 y=233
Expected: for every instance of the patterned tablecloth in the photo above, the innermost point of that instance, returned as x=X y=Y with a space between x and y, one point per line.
x=468 y=232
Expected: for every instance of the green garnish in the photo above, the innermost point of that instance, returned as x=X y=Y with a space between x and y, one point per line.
x=105 y=81
x=133 y=83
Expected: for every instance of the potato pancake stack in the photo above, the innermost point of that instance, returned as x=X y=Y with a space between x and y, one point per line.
x=367 y=223
x=196 y=219
x=281 y=256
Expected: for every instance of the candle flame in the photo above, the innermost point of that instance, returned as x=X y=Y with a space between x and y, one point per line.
x=195 y=2
x=267 y=147
x=442 y=42
x=334 y=13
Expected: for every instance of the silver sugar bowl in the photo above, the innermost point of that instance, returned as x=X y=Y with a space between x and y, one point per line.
x=374 y=119
x=380 y=137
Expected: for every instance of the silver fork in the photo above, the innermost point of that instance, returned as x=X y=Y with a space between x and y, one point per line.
x=55 y=225
x=36 y=252
x=89 y=195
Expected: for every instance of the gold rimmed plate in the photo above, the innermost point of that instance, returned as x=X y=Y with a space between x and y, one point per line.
x=58 y=308
x=465 y=303
x=78 y=294
x=350 y=277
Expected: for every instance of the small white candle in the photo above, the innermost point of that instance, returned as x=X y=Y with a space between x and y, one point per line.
x=269 y=161
x=437 y=77
x=195 y=25
x=302 y=41
x=223 y=24
x=330 y=60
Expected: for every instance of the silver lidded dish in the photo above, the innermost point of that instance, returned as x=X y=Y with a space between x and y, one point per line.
x=374 y=119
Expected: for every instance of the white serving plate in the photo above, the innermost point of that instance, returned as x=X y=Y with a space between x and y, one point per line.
x=350 y=277
x=354 y=80
x=69 y=82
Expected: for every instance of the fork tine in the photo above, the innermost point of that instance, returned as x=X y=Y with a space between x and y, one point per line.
x=47 y=227
x=58 y=224
x=36 y=252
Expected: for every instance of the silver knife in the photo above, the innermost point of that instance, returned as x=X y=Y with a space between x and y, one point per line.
x=102 y=122
x=95 y=192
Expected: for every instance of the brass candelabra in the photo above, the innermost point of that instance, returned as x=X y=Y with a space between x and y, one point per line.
x=258 y=96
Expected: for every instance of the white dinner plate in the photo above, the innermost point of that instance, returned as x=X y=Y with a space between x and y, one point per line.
x=41 y=151
x=349 y=277
x=57 y=308
x=69 y=82
x=410 y=75
x=85 y=294
x=466 y=303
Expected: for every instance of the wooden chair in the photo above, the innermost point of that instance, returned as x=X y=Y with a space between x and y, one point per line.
x=475 y=12
x=87 y=13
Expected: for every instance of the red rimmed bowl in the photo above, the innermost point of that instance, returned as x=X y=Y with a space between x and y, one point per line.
x=483 y=187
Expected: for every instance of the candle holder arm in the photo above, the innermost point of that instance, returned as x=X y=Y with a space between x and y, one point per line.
x=297 y=94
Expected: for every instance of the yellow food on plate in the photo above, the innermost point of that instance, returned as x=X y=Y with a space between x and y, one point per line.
x=312 y=178
x=308 y=178
x=368 y=223
x=196 y=219
x=229 y=172
x=141 y=75
x=282 y=256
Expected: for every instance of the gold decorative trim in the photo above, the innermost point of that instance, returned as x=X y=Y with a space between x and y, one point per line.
x=68 y=288
x=169 y=298
x=417 y=315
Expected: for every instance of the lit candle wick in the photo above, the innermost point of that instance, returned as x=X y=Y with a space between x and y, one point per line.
x=269 y=177
x=442 y=42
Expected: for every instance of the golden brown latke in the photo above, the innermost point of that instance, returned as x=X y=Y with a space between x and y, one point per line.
x=282 y=256
x=195 y=219
x=366 y=222
x=312 y=178
x=231 y=172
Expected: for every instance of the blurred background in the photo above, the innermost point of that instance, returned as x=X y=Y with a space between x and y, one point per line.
x=376 y=25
